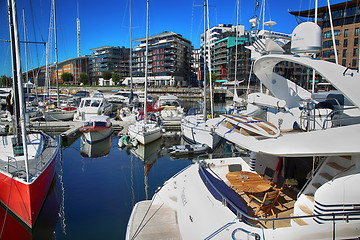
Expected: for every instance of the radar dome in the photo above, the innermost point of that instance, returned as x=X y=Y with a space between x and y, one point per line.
x=306 y=38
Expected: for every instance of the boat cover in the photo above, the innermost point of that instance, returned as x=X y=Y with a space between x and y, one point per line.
x=215 y=185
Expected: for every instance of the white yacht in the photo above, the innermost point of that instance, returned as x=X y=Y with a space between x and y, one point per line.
x=318 y=197
x=172 y=112
x=92 y=106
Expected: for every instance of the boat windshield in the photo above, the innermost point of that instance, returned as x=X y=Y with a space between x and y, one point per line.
x=100 y=124
x=88 y=124
x=95 y=103
x=87 y=103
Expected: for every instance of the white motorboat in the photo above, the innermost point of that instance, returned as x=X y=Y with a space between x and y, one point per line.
x=318 y=197
x=188 y=149
x=97 y=128
x=172 y=111
x=92 y=106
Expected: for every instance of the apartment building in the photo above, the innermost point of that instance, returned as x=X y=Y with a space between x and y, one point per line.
x=223 y=58
x=346 y=22
x=113 y=59
x=169 y=59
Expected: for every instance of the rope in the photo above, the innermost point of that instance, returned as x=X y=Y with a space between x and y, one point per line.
x=7 y=208
x=147 y=211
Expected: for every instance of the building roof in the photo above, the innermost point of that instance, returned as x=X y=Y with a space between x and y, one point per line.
x=102 y=48
x=334 y=7
x=161 y=35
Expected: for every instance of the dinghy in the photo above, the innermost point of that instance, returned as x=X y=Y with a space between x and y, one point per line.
x=188 y=149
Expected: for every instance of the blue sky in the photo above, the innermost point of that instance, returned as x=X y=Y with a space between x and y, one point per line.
x=106 y=22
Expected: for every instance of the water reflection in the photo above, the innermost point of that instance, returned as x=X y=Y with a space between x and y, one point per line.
x=148 y=154
x=95 y=150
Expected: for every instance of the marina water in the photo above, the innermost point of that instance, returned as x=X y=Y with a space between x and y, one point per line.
x=96 y=187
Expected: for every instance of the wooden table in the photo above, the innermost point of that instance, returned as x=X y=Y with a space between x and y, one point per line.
x=248 y=182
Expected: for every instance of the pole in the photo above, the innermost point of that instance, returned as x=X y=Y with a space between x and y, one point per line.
x=146 y=60
x=56 y=58
x=209 y=58
x=20 y=86
x=131 y=79
x=205 y=112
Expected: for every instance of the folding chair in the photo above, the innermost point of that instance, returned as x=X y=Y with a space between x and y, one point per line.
x=265 y=203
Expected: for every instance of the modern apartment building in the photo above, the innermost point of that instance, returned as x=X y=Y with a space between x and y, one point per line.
x=169 y=59
x=346 y=22
x=223 y=58
x=113 y=59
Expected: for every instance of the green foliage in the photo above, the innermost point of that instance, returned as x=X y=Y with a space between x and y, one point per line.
x=6 y=81
x=83 y=78
x=106 y=75
x=67 y=77
x=213 y=78
x=116 y=77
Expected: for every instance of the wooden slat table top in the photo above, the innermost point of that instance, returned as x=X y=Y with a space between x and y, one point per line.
x=248 y=182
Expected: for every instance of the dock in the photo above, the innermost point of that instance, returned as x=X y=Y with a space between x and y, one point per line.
x=153 y=221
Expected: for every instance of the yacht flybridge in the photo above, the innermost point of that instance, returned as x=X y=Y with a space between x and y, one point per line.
x=311 y=192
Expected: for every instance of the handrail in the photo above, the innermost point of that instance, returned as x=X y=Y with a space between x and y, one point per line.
x=240 y=213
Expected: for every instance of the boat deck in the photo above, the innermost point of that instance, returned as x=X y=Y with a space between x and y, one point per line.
x=287 y=199
x=160 y=222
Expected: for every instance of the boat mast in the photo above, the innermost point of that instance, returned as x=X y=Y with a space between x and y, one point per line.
x=14 y=36
x=146 y=59
x=26 y=63
x=236 y=48
x=131 y=79
x=56 y=57
x=205 y=115
x=209 y=57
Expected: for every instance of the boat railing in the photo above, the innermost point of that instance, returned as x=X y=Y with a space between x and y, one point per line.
x=243 y=216
x=18 y=171
x=311 y=106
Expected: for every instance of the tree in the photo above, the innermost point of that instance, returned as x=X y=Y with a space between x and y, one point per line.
x=83 y=78
x=213 y=78
x=116 y=77
x=106 y=75
x=6 y=81
x=67 y=77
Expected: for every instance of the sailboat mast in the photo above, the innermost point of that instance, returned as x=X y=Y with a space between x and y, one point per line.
x=20 y=96
x=236 y=47
x=210 y=70
x=131 y=79
x=26 y=63
x=146 y=59
x=56 y=57
x=204 y=60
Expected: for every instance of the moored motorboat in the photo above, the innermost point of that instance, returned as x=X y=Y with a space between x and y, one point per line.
x=92 y=106
x=97 y=128
x=188 y=149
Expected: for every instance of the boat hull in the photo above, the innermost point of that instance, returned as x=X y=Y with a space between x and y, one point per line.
x=144 y=134
x=25 y=200
x=59 y=115
x=97 y=135
x=198 y=133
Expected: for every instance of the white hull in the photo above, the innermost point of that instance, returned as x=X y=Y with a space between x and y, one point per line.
x=59 y=115
x=199 y=132
x=192 y=212
x=144 y=133
x=97 y=136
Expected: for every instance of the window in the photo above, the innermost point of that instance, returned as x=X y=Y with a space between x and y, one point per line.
x=355 y=52
x=356 y=31
x=356 y=42
x=354 y=62
x=328 y=34
x=344 y=52
x=345 y=42
x=346 y=33
x=344 y=62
